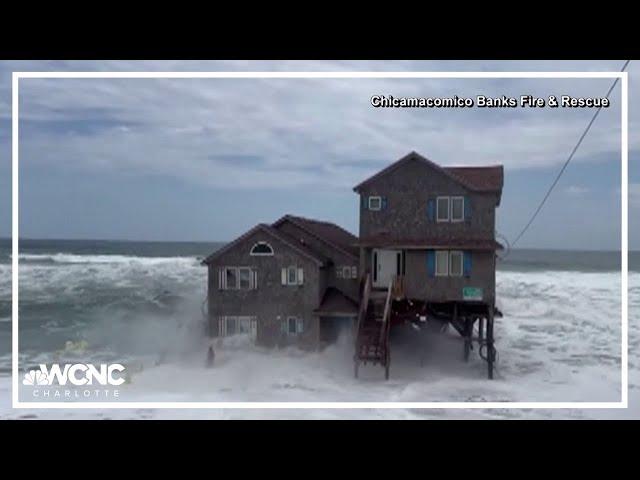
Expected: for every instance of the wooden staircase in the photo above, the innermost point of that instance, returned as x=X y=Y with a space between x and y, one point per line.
x=372 y=328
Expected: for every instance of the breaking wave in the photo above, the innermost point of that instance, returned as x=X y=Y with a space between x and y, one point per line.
x=67 y=258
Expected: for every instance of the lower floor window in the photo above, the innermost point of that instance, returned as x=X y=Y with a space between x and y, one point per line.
x=238 y=325
x=293 y=326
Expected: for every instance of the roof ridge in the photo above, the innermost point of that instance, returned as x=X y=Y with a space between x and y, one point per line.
x=322 y=222
x=303 y=249
x=495 y=165
x=300 y=222
x=446 y=170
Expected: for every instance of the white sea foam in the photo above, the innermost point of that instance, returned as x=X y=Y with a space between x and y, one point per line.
x=88 y=259
x=559 y=340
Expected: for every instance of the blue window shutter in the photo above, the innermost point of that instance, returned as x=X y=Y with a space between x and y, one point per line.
x=383 y=205
x=431 y=263
x=365 y=199
x=466 y=264
x=431 y=209
x=467 y=209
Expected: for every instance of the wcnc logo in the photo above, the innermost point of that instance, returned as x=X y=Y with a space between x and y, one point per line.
x=77 y=374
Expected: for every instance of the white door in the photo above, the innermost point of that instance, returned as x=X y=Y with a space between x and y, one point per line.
x=385 y=265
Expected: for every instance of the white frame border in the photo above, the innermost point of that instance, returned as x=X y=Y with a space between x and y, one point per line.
x=435 y=254
x=457 y=252
x=261 y=242
x=623 y=403
x=451 y=219
x=374 y=197
x=448 y=199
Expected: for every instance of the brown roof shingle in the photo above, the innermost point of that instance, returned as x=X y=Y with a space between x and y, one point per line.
x=330 y=233
x=302 y=249
x=489 y=179
x=479 y=179
x=334 y=302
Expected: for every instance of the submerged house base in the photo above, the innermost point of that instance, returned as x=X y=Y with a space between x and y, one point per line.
x=426 y=251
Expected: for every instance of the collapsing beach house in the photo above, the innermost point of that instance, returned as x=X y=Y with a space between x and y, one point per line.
x=426 y=251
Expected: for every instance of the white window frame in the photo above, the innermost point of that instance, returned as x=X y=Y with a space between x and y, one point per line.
x=375 y=197
x=253 y=278
x=346 y=272
x=456 y=220
x=223 y=325
x=240 y=269
x=226 y=282
x=251 y=253
x=295 y=280
x=451 y=255
x=227 y=321
x=446 y=263
x=438 y=219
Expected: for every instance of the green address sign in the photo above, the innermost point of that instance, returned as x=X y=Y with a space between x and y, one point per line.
x=471 y=293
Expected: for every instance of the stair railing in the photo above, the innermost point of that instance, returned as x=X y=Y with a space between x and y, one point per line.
x=386 y=320
x=364 y=303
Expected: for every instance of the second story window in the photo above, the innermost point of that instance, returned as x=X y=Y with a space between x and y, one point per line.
x=349 y=272
x=375 y=203
x=449 y=209
x=292 y=276
x=442 y=214
x=245 y=278
x=238 y=278
x=231 y=278
x=457 y=209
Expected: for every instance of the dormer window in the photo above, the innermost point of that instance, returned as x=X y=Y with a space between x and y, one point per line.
x=261 y=249
x=375 y=203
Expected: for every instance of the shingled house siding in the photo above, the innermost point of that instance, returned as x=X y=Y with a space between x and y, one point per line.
x=408 y=190
x=405 y=218
x=418 y=283
x=348 y=286
x=271 y=302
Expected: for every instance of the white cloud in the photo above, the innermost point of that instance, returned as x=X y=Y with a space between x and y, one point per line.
x=634 y=195
x=302 y=132
x=576 y=190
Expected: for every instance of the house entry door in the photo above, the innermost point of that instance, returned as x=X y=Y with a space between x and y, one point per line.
x=385 y=266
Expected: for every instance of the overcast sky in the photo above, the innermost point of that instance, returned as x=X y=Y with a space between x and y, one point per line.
x=189 y=159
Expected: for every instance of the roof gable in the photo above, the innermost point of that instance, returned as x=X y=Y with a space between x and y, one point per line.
x=269 y=230
x=476 y=179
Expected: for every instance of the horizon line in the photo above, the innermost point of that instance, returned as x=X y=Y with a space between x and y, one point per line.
x=122 y=240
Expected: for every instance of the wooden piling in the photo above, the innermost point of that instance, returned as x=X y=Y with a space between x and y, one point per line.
x=468 y=330
x=490 y=348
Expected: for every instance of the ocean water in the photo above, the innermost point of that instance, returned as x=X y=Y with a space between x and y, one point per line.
x=139 y=304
